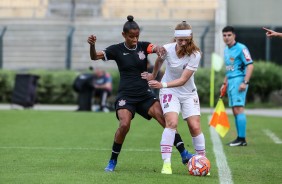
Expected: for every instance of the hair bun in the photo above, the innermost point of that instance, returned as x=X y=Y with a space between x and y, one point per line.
x=130 y=18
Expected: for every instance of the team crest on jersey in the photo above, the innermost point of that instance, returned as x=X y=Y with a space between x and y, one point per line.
x=141 y=55
x=121 y=102
x=247 y=54
x=184 y=66
x=166 y=105
x=231 y=59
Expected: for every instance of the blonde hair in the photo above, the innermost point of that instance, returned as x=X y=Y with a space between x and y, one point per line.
x=191 y=48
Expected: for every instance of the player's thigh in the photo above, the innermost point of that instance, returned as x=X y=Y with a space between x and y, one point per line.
x=124 y=116
x=125 y=103
x=148 y=107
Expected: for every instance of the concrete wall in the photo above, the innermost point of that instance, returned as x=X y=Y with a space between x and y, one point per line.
x=254 y=12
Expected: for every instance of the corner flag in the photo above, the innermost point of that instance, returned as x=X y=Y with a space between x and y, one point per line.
x=219 y=119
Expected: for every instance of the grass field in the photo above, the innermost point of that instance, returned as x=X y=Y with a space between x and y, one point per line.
x=71 y=147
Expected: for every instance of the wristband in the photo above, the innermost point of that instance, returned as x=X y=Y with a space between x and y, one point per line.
x=246 y=82
x=164 y=84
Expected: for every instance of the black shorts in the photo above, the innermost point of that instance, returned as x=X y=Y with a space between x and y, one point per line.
x=140 y=104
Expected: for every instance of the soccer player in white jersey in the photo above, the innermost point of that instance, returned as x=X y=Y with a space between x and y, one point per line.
x=178 y=92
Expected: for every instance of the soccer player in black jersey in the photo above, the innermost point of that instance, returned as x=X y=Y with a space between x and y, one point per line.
x=134 y=94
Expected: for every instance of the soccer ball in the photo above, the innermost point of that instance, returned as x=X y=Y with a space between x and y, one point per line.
x=199 y=166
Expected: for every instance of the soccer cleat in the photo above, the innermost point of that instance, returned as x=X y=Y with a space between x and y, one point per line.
x=166 y=168
x=111 y=166
x=186 y=156
x=237 y=142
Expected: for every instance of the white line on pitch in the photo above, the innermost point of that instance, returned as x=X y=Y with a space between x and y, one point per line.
x=272 y=136
x=221 y=162
x=77 y=148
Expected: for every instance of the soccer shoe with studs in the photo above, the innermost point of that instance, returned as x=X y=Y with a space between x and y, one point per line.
x=111 y=166
x=237 y=142
x=186 y=156
x=166 y=168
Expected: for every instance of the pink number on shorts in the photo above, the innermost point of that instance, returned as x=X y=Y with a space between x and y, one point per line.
x=169 y=96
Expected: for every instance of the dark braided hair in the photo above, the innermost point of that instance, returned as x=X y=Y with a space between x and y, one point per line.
x=130 y=24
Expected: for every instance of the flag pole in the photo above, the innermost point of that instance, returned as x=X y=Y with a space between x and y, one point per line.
x=212 y=85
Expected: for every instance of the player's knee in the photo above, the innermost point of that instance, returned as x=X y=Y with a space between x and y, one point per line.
x=171 y=124
x=124 y=127
x=195 y=130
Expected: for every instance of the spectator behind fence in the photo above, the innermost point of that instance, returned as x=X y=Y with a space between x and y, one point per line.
x=102 y=84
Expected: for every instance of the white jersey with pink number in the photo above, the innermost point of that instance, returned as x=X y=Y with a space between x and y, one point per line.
x=174 y=69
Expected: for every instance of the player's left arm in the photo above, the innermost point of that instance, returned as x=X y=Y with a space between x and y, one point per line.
x=185 y=76
x=175 y=83
x=249 y=69
x=159 y=50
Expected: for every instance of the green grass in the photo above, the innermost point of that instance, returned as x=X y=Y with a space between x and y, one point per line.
x=74 y=147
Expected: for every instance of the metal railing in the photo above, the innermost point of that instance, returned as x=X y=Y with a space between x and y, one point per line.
x=202 y=46
x=69 y=47
x=1 y=45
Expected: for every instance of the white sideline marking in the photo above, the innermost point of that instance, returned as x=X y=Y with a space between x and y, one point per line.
x=78 y=148
x=221 y=162
x=272 y=136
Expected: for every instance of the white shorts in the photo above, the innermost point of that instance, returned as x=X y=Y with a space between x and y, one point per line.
x=188 y=105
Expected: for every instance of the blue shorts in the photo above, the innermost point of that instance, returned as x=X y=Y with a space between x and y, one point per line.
x=236 y=97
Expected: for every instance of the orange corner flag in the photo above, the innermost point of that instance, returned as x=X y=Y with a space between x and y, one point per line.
x=219 y=119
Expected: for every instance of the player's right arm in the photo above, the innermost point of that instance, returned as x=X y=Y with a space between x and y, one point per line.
x=153 y=75
x=94 y=55
x=158 y=65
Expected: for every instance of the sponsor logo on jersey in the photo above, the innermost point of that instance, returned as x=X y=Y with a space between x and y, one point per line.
x=184 y=66
x=141 y=55
x=247 y=54
x=166 y=105
x=229 y=68
x=121 y=102
x=125 y=54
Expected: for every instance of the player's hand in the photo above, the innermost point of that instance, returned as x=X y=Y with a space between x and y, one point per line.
x=243 y=86
x=223 y=90
x=269 y=32
x=147 y=76
x=155 y=84
x=92 y=39
x=161 y=52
